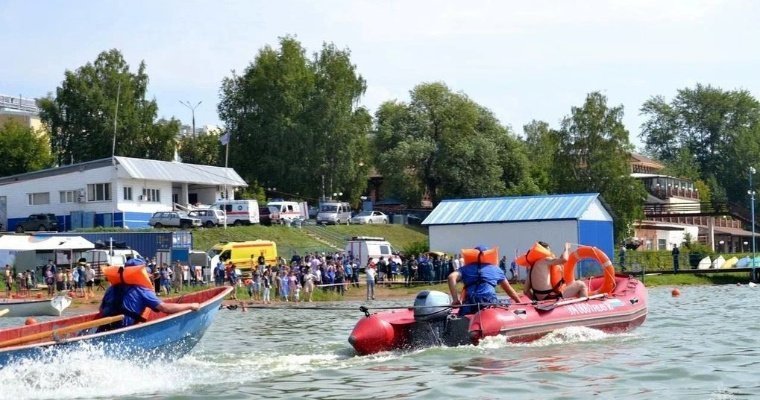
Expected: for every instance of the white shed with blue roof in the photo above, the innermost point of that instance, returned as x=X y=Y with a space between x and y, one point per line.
x=515 y=223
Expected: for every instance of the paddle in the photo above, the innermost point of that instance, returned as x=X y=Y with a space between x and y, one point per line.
x=61 y=331
x=551 y=306
x=4 y=311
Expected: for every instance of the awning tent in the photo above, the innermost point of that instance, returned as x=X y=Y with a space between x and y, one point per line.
x=34 y=243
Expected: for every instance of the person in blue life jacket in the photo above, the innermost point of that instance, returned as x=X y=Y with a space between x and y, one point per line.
x=480 y=280
x=133 y=297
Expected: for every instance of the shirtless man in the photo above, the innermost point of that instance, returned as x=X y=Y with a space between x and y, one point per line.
x=538 y=284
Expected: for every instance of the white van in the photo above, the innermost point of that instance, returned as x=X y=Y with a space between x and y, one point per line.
x=334 y=212
x=239 y=212
x=103 y=257
x=361 y=248
x=289 y=210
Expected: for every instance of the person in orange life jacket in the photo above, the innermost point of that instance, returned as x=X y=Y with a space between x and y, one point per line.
x=132 y=299
x=480 y=282
x=538 y=284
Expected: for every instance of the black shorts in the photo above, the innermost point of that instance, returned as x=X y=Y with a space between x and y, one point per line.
x=89 y=283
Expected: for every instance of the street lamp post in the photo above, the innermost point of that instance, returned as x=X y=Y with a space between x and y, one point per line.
x=192 y=110
x=752 y=211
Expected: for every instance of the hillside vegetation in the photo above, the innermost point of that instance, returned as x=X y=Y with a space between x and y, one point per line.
x=310 y=238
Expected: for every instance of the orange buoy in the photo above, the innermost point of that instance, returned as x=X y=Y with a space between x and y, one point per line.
x=675 y=292
x=30 y=321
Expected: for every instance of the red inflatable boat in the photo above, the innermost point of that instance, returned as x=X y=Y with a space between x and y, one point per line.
x=432 y=321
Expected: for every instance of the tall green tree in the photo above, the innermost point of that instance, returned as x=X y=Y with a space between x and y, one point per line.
x=442 y=144
x=201 y=149
x=542 y=143
x=81 y=114
x=22 y=149
x=593 y=156
x=295 y=124
x=714 y=131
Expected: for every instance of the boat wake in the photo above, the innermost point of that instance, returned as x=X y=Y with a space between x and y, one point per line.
x=87 y=372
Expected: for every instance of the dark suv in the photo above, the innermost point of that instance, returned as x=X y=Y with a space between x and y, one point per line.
x=38 y=222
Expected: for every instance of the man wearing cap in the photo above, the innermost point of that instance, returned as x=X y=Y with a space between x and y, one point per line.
x=480 y=280
x=132 y=299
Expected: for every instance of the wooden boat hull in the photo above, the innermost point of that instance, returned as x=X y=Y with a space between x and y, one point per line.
x=35 y=307
x=622 y=310
x=161 y=337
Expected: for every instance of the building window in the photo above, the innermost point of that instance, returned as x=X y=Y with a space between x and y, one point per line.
x=69 y=196
x=36 y=199
x=99 y=192
x=152 y=195
x=128 y=193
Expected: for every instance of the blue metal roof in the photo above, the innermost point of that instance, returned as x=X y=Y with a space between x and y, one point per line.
x=511 y=209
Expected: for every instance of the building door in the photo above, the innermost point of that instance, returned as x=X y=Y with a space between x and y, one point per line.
x=192 y=198
x=3 y=213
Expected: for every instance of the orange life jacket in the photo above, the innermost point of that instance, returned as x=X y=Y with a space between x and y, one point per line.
x=133 y=275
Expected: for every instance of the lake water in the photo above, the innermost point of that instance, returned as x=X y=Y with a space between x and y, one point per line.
x=701 y=345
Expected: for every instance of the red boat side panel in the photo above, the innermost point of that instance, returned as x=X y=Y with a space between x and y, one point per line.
x=624 y=309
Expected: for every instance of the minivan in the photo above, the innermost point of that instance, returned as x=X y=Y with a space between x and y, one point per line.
x=209 y=217
x=361 y=248
x=288 y=210
x=239 y=212
x=334 y=213
x=244 y=255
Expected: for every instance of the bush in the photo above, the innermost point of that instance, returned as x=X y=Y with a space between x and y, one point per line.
x=415 y=248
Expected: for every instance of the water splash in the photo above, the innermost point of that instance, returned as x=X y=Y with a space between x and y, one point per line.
x=571 y=334
x=87 y=372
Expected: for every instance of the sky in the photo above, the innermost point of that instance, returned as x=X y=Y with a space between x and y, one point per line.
x=523 y=60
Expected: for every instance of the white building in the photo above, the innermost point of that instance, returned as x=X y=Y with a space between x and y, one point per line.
x=117 y=191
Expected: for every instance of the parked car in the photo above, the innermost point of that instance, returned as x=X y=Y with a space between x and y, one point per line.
x=210 y=217
x=370 y=217
x=173 y=218
x=38 y=222
x=267 y=215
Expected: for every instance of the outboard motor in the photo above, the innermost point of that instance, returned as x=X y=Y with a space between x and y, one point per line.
x=431 y=305
x=435 y=324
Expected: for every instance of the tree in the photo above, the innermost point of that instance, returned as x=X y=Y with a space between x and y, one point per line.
x=201 y=149
x=81 y=115
x=593 y=156
x=542 y=143
x=445 y=145
x=22 y=149
x=719 y=132
x=295 y=121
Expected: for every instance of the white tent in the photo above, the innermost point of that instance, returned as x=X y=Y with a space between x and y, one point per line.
x=55 y=243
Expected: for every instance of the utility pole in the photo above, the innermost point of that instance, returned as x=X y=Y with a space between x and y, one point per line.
x=192 y=110
x=752 y=208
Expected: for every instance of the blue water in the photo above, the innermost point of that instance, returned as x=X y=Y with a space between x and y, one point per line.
x=701 y=345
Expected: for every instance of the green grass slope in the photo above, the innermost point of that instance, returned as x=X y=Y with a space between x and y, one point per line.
x=290 y=239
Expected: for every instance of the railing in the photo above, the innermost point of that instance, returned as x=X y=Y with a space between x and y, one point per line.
x=698 y=210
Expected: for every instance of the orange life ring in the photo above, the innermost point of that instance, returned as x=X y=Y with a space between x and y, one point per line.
x=590 y=252
x=133 y=275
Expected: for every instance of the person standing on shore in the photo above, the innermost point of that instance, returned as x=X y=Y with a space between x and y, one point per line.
x=371 y=273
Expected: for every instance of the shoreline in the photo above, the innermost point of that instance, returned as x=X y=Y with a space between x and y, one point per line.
x=397 y=290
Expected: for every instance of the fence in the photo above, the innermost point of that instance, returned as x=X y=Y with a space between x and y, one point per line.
x=656 y=261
